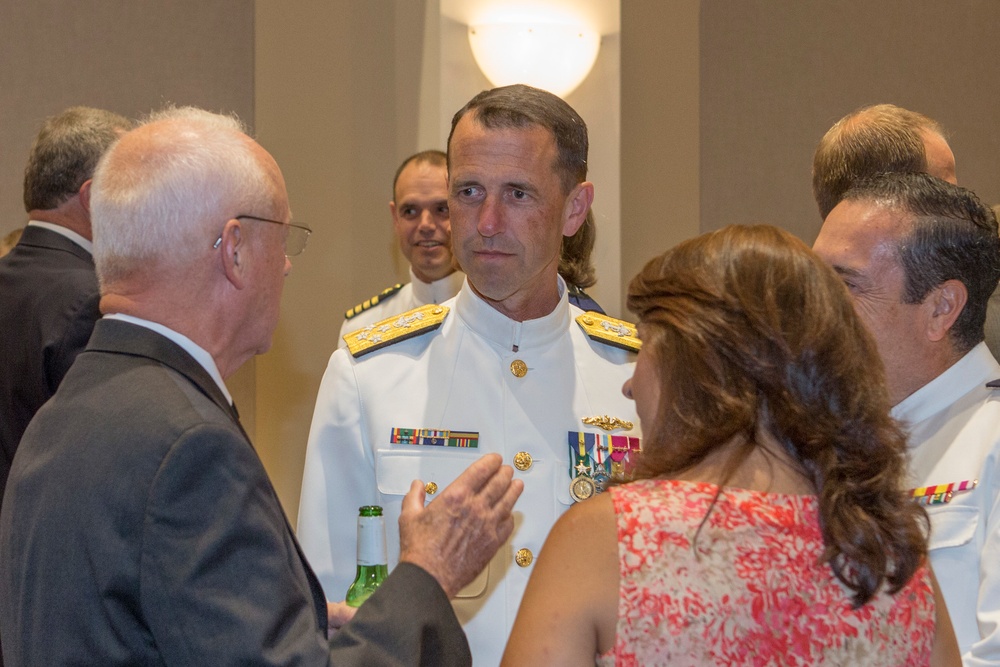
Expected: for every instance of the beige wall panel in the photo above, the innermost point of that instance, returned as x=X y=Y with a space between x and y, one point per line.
x=326 y=109
x=129 y=57
x=660 y=129
x=776 y=74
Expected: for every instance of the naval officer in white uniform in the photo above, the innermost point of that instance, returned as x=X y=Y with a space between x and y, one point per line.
x=921 y=258
x=507 y=366
x=420 y=220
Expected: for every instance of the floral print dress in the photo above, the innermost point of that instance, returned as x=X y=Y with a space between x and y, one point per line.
x=751 y=590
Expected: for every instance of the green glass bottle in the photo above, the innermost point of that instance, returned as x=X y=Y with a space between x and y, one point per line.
x=372 y=558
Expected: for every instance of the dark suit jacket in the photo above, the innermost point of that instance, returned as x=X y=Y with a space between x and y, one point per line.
x=140 y=528
x=48 y=306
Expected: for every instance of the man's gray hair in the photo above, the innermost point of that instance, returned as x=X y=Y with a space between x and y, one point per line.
x=167 y=199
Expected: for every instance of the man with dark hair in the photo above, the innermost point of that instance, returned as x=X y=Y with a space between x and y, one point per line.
x=886 y=138
x=420 y=220
x=48 y=289
x=137 y=500
x=921 y=258
x=507 y=366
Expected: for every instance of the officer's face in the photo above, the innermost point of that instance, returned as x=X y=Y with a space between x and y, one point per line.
x=420 y=218
x=858 y=239
x=509 y=213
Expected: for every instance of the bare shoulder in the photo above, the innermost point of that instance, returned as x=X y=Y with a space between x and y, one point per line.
x=594 y=515
x=561 y=622
x=586 y=536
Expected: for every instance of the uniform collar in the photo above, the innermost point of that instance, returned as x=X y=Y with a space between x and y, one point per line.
x=970 y=373
x=508 y=334
x=438 y=291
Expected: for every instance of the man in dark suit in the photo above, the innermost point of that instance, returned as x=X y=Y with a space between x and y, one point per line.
x=137 y=504
x=48 y=290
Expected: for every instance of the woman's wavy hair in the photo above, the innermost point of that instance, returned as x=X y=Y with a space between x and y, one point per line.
x=754 y=333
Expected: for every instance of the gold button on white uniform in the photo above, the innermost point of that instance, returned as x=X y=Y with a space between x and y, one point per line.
x=522 y=461
x=518 y=368
x=524 y=557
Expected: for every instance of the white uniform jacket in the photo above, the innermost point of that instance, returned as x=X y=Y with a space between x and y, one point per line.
x=458 y=378
x=412 y=295
x=954 y=427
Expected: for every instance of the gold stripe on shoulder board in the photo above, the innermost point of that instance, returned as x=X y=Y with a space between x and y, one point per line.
x=610 y=331
x=394 y=329
x=374 y=301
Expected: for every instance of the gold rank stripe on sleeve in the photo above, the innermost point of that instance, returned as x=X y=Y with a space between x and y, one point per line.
x=610 y=331
x=374 y=301
x=395 y=329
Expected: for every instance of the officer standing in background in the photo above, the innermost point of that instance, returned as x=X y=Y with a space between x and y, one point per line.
x=420 y=220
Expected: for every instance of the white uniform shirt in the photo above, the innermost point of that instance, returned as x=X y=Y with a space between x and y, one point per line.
x=954 y=427
x=459 y=378
x=412 y=295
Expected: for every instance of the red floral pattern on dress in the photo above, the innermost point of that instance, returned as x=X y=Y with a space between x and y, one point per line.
x=752 y=590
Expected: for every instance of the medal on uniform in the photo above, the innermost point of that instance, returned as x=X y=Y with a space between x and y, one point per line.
x=600 y=470
x=582 y=485
x=582 y=488
x=620 y=448
x=591 y=455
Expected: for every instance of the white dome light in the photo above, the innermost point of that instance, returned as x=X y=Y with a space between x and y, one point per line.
x=553 y=56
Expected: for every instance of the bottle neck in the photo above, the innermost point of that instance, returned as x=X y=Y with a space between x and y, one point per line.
x=371 y=541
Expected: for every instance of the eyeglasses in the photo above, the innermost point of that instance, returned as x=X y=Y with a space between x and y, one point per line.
x=295 y=242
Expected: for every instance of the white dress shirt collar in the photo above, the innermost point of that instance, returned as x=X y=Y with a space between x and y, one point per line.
x=192 y=348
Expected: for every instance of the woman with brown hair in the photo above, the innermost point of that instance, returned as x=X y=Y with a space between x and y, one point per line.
x=767 y=522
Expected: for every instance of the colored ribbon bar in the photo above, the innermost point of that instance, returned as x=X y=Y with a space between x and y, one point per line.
x=942 y=489
x=936 y=499
x=434 y=437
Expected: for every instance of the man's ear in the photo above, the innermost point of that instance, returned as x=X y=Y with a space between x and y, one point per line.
x=946 y=302
x=84 y=193
x=576 y=208
x=392 y=210
x=233 y=250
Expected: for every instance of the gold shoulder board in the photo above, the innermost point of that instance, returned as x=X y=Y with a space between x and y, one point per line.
x=377 y=299
x=394 y=329
x=610 y=331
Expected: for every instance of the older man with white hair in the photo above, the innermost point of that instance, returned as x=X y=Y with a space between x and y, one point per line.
x=138 y=500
